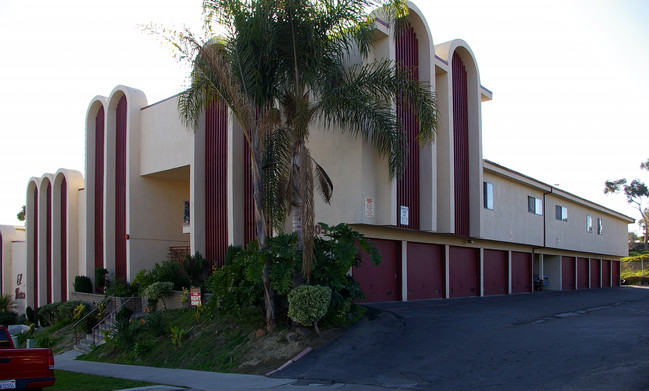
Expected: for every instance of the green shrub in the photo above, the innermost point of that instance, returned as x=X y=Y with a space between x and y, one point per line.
x=158 y=290
x=307 y=304
x=8 y=318
x=124 y=314
x=155 y=323
x=49 y=314
x=120 y=288
x=101 y=279
x=167 y=271
x=230 y=253
x=31 y=315
x=82 y=284
x=45 y=341
x=238 y=284
x=7 y=303
x=66 y=310
x=195 y=269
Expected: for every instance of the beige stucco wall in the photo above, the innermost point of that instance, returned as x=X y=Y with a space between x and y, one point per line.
x=165 y=143
x=18 y=275
x=572 y=234
x=510 y=221
x=14 y=263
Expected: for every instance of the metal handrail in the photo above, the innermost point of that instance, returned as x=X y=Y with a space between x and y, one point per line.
x=77 y=335
x=101 y=326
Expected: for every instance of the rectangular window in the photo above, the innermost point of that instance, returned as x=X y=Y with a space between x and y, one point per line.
x=599 y=227
x=534 y=205
x=561 y=213
x=589 y=224
x=488 y=194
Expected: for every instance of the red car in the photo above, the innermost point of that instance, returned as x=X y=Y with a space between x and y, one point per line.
x=22 y=369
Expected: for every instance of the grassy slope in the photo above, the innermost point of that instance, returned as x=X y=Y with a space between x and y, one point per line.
x=210 y=344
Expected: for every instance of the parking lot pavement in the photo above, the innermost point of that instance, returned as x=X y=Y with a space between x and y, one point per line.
x=588 y=339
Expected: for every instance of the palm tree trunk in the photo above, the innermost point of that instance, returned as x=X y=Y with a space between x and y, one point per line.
x=260 y=225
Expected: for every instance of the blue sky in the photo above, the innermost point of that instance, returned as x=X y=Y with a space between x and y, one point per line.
x=569 y=80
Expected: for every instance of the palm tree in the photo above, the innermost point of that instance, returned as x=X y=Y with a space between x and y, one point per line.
x=281 y=69
x=7 y=303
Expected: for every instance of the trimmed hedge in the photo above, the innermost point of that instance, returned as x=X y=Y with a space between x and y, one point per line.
x=307 y=304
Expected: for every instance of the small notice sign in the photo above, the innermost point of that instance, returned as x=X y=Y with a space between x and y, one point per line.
x=369 y=207
x=404 y=215
x=195 y=296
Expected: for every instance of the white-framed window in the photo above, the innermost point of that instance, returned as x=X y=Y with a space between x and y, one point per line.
x=561 y=213
x=589 y=224
x=534 y=205
x=488 y=195
x=600 y=227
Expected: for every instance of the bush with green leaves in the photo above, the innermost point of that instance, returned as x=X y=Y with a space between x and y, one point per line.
x=7 y=303
x=48 y=314
x=66 y=309
x=307 y=304
x=124 y=314
x=155 y=324
x=119 y=287
x=82 y=284
x=8 y=318
x=195 y=269
x=158 y=291
x=237 y=285
x=167 y=271
x=30 y=314
x=101 y=278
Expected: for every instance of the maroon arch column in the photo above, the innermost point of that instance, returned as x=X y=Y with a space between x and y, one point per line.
x=48 y=243
x=460 y=146
x=99 y=189
x=120 y=188
x=216 y=175
x=407 y=56
x=64 y=239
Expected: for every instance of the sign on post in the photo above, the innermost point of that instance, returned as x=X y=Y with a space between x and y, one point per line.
x=195 y=296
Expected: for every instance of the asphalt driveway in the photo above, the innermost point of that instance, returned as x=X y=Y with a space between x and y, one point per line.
x=578 y=340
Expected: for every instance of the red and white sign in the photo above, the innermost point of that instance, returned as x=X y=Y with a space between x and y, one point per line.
x=195 y=297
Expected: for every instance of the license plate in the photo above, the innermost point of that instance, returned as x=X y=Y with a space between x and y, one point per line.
x=7 y=384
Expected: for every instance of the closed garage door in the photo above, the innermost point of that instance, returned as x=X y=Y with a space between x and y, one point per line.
x=464 y=272
x=615 y=270
x=426 y=275
x=496 y=272
x=521 y=272
x=382 y=282
x=582 y=273
x=606 y=273
x=567 y=273
x=595 y=276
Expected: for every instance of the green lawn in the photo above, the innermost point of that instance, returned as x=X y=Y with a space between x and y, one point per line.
x=71 y=381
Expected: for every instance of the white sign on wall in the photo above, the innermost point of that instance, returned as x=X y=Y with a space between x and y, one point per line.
x=369 y=207
x=404 y=215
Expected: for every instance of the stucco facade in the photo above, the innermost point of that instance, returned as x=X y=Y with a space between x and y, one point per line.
x=458 y=226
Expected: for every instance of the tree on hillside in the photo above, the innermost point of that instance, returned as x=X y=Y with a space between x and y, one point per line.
x=282 y=69
x=636 y=193
x=21 y=214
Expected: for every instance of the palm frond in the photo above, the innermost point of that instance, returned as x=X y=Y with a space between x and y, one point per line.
x=324 y=183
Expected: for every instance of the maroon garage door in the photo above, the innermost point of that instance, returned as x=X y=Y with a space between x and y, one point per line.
x=426 y=275
x=606 y=273
x=615 y=270
x=521 y=272
x=464 y=272
x=595 y=270
x=582 y=273
x=496 y=272
x=382 y=282
x=567 y=273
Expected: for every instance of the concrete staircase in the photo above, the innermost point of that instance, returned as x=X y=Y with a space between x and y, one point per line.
x=97 y=338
